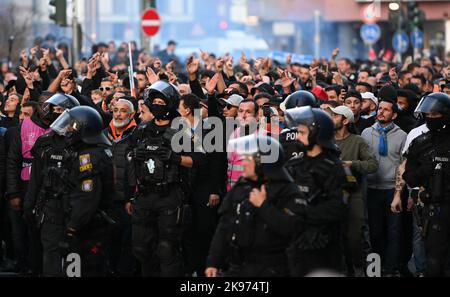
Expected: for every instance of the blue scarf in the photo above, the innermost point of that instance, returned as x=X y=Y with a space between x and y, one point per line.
x=383 y=146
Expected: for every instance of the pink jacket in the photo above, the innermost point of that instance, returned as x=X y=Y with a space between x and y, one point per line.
x=29 y=133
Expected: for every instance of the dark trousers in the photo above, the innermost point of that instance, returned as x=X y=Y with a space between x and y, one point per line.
x=19 y=235
x=384 y=227
x=200 y=232
x=121 y=259
x=437 y=239
x=302 y=263
x=156 y=233
x=353 y=235
x=52 y=231
x=5 y=231
x=260 y=266
x=91 y=246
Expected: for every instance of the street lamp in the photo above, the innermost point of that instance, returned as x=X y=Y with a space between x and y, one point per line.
x=394 y=6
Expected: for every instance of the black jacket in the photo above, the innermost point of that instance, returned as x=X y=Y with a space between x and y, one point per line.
x=320 y=179
x=92 y=178
x=45 y=146
x=2 y=161
x=247 y=230
x=121 y=166
x=358 y=127
x=15 y=187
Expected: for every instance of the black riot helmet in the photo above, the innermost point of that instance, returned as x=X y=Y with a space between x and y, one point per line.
x=64 y=101
x=435 y=102
x=82 y=123
x=299 y=99
x=319 y=123
x=167 y=92
x=267 y=153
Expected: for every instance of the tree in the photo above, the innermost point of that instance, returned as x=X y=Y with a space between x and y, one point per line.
x=16 y=22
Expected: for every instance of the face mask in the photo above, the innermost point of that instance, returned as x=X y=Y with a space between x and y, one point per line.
x=301 y=147
x=435 y=124
x=160 y=112
x=53 y=116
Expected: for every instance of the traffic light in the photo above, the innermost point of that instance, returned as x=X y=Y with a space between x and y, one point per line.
x=59 y=16
x=416 y=16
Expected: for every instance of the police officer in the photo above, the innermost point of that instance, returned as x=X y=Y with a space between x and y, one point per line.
x=256 y=222
x=288 y=138
x=428 y=166
x=158 y=171
x=48 y=183
x=319 y=175
x=90 y=187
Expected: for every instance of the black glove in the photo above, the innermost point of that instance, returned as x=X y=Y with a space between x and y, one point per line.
x=167 y=155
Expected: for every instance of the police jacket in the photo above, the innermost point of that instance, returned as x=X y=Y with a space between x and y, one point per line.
x=92 y=186
x=428 y=164
x=50 y=171
x=149 y=141
x=249 y=230
x=320 y=180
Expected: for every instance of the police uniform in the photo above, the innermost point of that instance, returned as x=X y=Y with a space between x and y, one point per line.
x=254 y=240
x=89 y=201
x=91 y=188
x=318 y=242
x=159 y=198
x=428 y=166
x=320 y=179
x=46 y=189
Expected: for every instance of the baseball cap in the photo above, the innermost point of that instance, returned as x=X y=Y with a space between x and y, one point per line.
x=233 y=100
x=371 y=96
x=345 y=111
x=263 y=87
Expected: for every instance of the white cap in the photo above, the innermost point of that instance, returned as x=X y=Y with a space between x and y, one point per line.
x=371 y=96
x=345 y=111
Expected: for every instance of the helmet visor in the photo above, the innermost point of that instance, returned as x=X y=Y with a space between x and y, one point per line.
x=429 y=104
x=62 y=123
x=299 y=115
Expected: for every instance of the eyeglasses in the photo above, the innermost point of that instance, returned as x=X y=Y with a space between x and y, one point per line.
x=229 y=106
x=105 y=89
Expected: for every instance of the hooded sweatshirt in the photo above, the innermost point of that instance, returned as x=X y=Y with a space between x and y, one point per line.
x=384 y=178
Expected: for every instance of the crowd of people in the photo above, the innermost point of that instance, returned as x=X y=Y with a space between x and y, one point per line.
x=167 y=172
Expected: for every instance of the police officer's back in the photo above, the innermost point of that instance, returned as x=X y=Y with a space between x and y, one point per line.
x=319 y=175
x=288 y=138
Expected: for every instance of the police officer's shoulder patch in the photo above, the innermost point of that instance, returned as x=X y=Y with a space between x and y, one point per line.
x=85 y=162
x=87 y=185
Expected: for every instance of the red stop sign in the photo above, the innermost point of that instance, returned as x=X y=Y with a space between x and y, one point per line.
x=151 y=22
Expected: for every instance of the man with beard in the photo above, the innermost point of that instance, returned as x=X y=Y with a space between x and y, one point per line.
x=247 y=121
x=119 y=131
x=358 y=160
x=386 y=140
